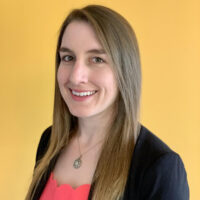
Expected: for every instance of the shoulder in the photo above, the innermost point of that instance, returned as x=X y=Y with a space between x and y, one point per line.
x=157 y=172
x=43 y=143
x=149 y=146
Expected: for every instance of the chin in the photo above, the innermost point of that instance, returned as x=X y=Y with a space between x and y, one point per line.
x=80 y=114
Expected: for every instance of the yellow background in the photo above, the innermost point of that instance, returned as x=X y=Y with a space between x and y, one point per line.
x=169 y=38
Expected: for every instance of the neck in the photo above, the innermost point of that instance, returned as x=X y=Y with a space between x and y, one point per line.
x=93 y=129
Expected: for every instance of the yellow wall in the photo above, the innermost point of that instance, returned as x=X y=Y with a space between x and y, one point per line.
x=169 y=39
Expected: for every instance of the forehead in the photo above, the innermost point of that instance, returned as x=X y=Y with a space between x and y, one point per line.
x=80 y=34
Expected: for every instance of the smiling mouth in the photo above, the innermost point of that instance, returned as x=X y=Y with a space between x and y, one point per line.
x=82 y=93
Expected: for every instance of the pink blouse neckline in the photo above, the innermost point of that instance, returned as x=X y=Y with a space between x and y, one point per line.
x=53 y=191
x=66 y=184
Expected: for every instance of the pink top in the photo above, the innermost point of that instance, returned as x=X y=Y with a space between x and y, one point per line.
x=65 y=191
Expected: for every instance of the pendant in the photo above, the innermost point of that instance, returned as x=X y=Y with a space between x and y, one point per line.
x=77 y=163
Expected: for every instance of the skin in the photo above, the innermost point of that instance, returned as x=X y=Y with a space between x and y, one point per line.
x=83 y=69
x=80 y=70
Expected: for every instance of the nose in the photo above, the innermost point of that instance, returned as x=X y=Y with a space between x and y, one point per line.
x=79 y=73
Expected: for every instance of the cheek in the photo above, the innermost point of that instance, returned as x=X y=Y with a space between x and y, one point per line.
x=106 y=80
x=62 y=75
x=112 y=85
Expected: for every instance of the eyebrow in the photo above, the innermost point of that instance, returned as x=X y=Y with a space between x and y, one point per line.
x=96 y=51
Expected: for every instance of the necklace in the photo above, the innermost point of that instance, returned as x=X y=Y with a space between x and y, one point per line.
x=78 y=162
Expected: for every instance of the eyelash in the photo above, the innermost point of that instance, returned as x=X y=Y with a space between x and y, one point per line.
x=71 y=58
x=63 y=58
x=102 y=61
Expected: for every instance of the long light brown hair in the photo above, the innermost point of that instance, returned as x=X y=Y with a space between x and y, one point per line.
x=119 y=41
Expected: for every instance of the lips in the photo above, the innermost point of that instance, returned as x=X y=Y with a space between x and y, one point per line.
x=79 y=91
x=82 y=95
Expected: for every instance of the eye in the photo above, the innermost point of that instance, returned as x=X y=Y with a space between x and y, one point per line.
x=97 y=60
x=67 y=58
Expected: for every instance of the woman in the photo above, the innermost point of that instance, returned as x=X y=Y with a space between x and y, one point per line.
x=96 y=143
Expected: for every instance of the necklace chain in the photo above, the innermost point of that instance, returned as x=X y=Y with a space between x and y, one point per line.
x=78 y=162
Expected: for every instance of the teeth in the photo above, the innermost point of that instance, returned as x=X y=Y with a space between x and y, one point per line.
x=82 y=93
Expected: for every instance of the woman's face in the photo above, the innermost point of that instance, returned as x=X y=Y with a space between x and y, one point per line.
x=85 y=77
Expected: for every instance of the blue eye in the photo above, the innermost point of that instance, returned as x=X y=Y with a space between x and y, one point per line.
x=97 y=60
x=67 y=58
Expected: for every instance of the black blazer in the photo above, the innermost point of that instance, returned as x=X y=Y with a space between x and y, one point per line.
x=156 y=171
